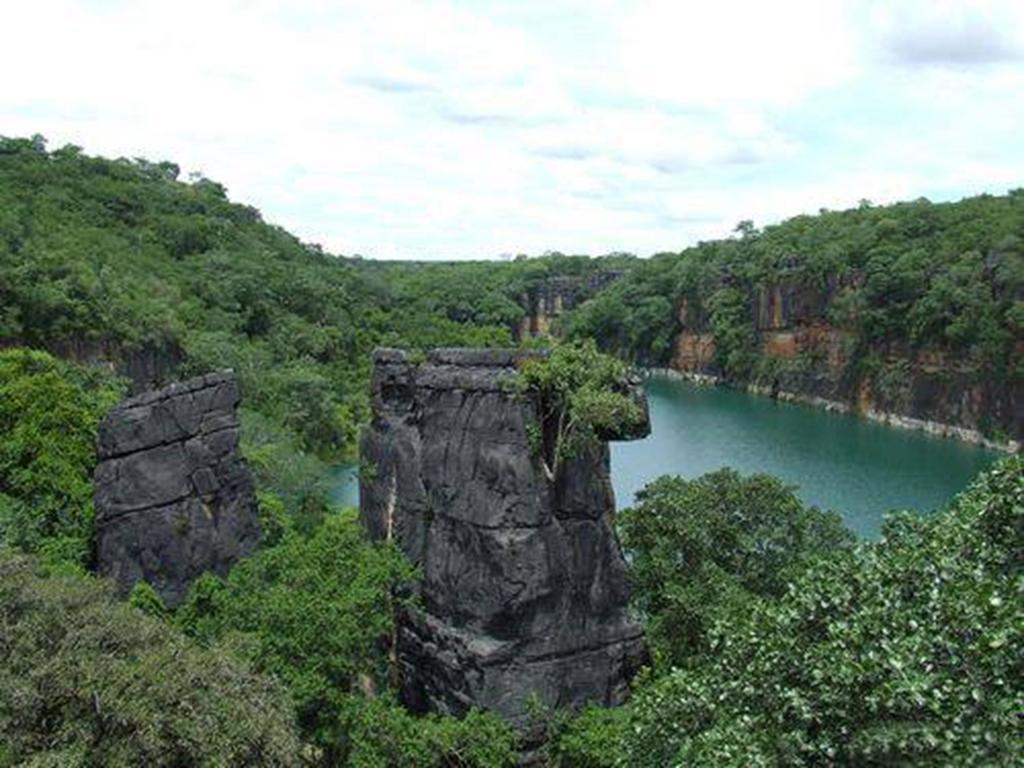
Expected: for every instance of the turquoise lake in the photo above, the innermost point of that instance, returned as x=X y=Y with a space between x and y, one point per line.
x=857 y=468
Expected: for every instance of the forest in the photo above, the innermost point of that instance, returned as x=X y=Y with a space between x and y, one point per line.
x=776 y=638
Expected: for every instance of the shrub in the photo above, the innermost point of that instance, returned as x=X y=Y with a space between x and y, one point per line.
x=49 y=412
x=897 y=652
x=86 y=680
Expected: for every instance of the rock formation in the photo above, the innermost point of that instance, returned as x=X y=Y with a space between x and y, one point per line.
x=524 y=592
x=812 y=359
x=174 y=498
x=547 y=301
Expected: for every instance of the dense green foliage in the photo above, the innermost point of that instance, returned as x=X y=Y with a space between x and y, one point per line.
x=579 y=395
x=902 y=651
x=317 y=613
x=87 y=681
x=701 y=549
x=49 y=411
x=919 y=275
x=775 y=641
x=313 y=611
x=383 y=735
x=119 y=259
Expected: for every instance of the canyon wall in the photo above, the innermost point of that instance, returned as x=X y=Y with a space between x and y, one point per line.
x=523 y=595
x=174 y=498
x=145 y=367
x=804 y=356
x=551 y=299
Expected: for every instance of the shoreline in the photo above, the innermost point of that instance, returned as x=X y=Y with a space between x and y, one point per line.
x=933 y=428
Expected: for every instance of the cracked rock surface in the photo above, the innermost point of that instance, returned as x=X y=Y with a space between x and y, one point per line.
x=523 y=595
x=174 y=498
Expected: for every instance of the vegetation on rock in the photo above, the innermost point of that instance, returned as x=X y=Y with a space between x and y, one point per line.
x=579 y=394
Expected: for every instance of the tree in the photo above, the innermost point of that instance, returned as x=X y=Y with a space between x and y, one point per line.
x=49 y=412
x=702 y=549
x=87 y=680
x=901 y=652
x=579 y=394
x=315 y=612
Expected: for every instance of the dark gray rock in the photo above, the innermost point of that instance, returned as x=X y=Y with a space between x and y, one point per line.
x=524 y=589
x=174 y=498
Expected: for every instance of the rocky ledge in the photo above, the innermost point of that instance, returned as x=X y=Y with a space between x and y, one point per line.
x=523 y=595
x=174 y=498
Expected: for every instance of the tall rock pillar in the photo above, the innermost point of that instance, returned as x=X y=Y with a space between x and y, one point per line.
x=174 y=498
x=524 y=592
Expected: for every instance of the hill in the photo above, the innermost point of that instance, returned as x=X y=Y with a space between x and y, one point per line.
x=912 y=312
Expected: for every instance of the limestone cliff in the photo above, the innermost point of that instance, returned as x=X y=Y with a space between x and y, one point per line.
x=804 y=355
x=174 y=498
x=546 y=302
x=524 y=589
x=146 y=367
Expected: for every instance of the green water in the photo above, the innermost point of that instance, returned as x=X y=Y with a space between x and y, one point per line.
x=856 y=467
x=344 y=485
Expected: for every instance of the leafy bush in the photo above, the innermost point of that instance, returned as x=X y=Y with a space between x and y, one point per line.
x=316 y=610
x=86 y=680
x=380 y=734
x=702 y=549
x=49 y=412
x=591 y=739
x=579 y=395
x=903 y=651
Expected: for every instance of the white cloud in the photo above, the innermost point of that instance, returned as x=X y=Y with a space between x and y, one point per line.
x=948 y=33
x=458 y=129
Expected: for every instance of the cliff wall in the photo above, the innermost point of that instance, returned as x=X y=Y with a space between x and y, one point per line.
x=548 y=301
x=524 y=589
x=145 y=367
x=174 y=498
x=802 y=355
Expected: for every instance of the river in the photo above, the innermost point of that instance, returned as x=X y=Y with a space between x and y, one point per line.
x=858 y=468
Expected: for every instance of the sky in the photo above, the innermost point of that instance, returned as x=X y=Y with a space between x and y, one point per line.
x=462 y=129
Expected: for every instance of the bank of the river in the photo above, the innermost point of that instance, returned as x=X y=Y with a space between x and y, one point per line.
x=933 y=428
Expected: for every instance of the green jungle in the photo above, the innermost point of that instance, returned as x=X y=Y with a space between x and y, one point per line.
x=776 y=638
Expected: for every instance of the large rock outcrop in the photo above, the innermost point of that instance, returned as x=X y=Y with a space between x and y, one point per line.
x=804 y=355
x=524 y=589
x=174 y=498
x=547 y=301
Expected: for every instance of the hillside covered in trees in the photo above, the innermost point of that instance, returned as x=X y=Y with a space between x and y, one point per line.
x=776 y=639
x=914 y=309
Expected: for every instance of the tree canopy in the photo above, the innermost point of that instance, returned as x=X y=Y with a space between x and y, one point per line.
x=896 y=652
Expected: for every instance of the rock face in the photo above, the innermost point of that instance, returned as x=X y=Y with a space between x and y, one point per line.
x=811 y=358
x=524 y=587
x=174 y=498
x=547 y=301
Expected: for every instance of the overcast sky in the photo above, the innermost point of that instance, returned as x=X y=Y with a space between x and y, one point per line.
x=472 y=129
